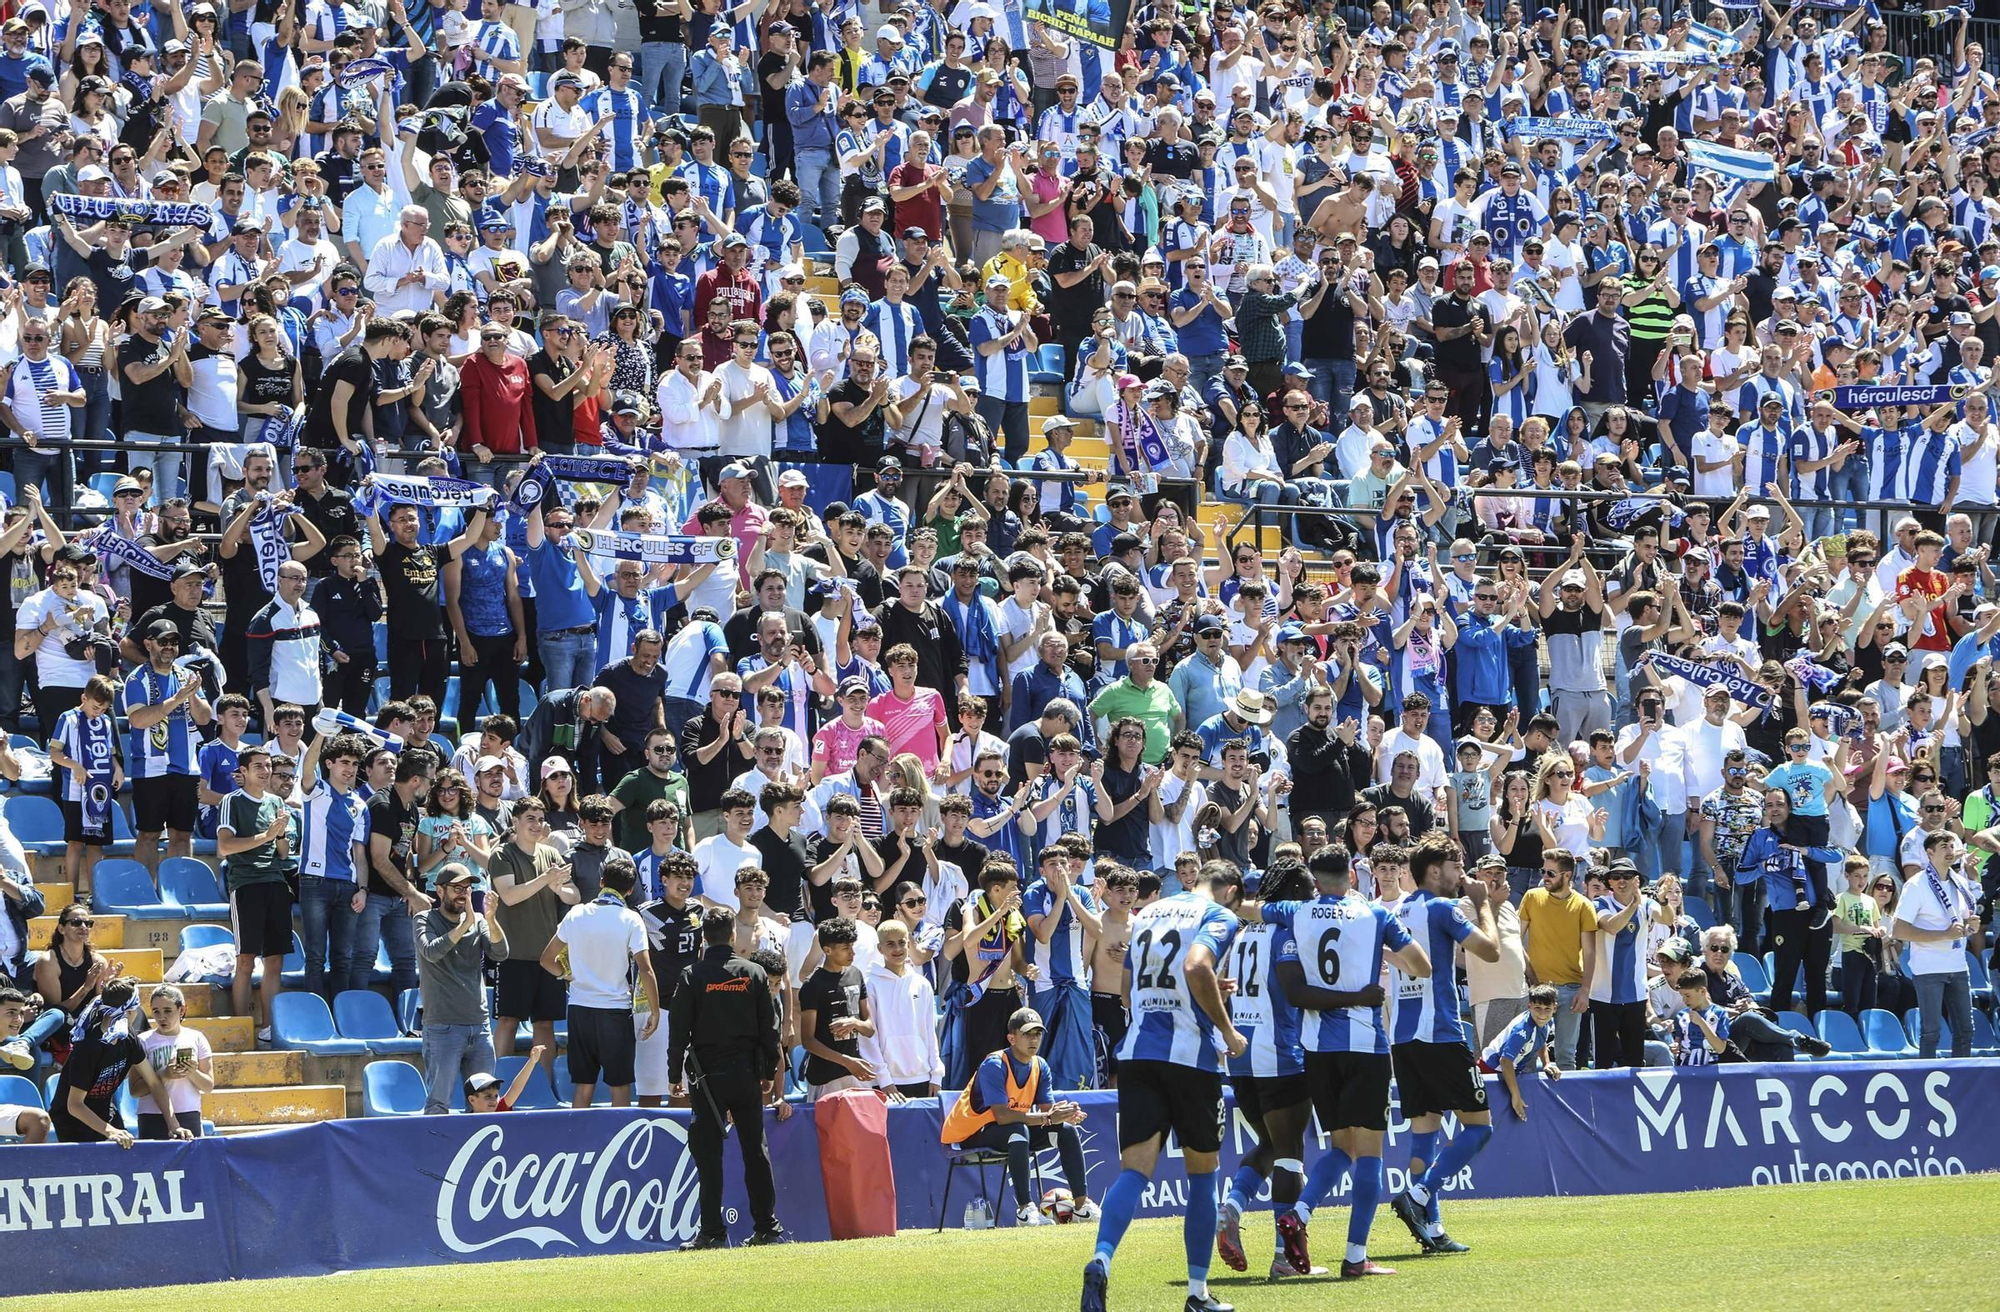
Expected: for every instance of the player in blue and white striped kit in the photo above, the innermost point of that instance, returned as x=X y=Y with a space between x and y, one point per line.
x=1341 y=939
x=1269 y=1078
x=1435 y=1072
x=1170 y=1070
x=1524 y=1045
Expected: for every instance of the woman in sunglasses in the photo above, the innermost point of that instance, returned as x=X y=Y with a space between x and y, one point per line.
x=70 y=974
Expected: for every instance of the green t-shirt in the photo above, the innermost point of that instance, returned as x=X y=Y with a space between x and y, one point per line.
x=244 y=815
x=637 y=791
x=1855 y=910
x=1153 y=705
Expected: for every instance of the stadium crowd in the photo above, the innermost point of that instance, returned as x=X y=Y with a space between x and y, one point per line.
x=364 y=365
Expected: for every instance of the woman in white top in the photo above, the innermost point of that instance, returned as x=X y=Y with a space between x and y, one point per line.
x=1556 y=373
x=1565 y=818
x=1249 y=462
x=47 y=624
x=183 y=1060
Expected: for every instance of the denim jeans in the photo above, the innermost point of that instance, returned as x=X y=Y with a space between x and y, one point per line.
x=452 y=1052
x=569 y=660
x=1943 y=998
x=819 y=181
x=1664 y=852
x=1567 y=1024
x=39 y=1031
x=1333 y=386
x=48 y=466
x=1820 y=521
x=663 y=68
x=1203 y=370
x=1849 y=485
x=384 y=920
x=326 y=910
x=166 y=465
x=94 y=424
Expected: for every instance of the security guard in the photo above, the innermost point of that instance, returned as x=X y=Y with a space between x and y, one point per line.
x=723 y=1012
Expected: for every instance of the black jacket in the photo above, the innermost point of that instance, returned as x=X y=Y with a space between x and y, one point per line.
x=724 y=1013
x=19 y=914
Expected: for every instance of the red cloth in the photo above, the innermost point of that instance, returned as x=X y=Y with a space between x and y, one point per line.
x=745 y=297
x=924 y=211
x=854 y=1166
x=498 y=415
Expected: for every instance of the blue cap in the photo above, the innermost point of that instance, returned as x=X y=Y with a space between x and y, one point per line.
x=1291 y=633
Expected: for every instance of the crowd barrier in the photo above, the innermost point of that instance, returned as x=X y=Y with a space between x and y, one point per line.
x=348 y=1195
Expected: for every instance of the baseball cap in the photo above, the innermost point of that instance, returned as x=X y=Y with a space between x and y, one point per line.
x=485 y=763
x=480 y=1083
x=186 y=569
x=152 y=305
x=733 y=470
x=1024 y=1020
x=161 y=630
x=997 y=281
x=627 y=403
x=1677 y=949
x=852 y=683
x=456 y=872
x=793 y=478
x=555 y=765
x=1208 y=624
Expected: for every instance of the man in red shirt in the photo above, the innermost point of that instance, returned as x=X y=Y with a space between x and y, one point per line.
x=499 y=420
x=731 y=280
x=1924 y=588
x=918 y=186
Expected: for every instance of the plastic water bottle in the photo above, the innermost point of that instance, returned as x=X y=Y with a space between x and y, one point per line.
x=978 y=1216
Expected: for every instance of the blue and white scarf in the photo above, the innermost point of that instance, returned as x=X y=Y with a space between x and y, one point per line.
x=1663 y=59
x=1839 y=718
x=974 y=623
x=170 y=214
x=1811 y=674
x=360 y=70
x=534 y=485
x=96 y=1013
x=127 y=552
x=672 y=548
x=1712 y=676
x=1712 y=39
x=282 y=429
x=1863 y=396
x=1571 y=128
x=1624 y=512
x=1728 y=161
x=94 y=749
x=267 y=539
x=331 y=722
x=384 y=490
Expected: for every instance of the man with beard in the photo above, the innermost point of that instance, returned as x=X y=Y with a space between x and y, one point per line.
x=244 y=590
x=914 y=619
x=182 y=609
x=641 y=688
x=174 y=543
x=328 y=508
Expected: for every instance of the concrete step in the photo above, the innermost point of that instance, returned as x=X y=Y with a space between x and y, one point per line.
x=250 y=1070
x=273 y=1105
x=822 y=286
x=143 y=964
x=42 y=932
x=57 y=895
x=203 y=1000
x=1044 y=405
x=227 y=1033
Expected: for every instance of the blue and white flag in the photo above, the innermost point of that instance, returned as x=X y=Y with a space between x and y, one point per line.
x=170 y=214
x=1574 y=127
x=1743 y=165
x=672 y=548
x=360 y=70
x=1663 y=58
x=1811 y=675
x=1712 y=676
x=1631 y=508
x=331 y=722
x=1839 y=718
x=1712 y=39
x=127 y=552
x=282 y=430
x=1863 y=396
x=586 y=469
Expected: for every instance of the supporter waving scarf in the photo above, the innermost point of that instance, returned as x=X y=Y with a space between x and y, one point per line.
x=267 y=539
x=360 y=70
x=1562 y=129
x=1711 y=676
x=1811 y=674
x=1624 y=512
x=383 y=490
x=1839 y=718
x=169 y=214
x=106 y=543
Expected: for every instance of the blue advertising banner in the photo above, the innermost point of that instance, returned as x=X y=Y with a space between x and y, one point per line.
x=436 y=1190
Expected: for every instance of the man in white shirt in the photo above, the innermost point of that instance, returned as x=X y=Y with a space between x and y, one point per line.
x=1936 y=915
x=406 y=269
x=605 y=941
x=1409 y=736
x=1653 y=746
x=1707 y=741
x=561 y=119
x=1351 y=449
x=750 y=402
x=690 y=400
x=307 y=250
x=719 y=856
x=369 y=214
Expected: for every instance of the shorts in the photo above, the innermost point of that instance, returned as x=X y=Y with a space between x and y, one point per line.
x=72 y=813
x=10 y=1118
x=169 y=802
x=1434 y=1078
x=603 y=1045
x=649 y=1061
x=1161 y=1097
x=1258 y=1094
x=1107 y=1016
x=1349 y=1090
x=524 y=991
x=260 y=915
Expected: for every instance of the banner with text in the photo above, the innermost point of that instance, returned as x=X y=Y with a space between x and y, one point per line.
x=1100 y=22
x=434 y=1190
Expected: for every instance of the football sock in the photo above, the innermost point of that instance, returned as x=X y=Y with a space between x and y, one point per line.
x=1117 y=1206
x=1325 y=1174
x=1198 y=1230
x=1462 y=1149
x=1423 y=1148
x=1361 y=1207
x=1242 y=1189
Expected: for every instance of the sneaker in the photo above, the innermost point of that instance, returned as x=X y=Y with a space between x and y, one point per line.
x=1282 y=1269
x=775 y=1235
x=1094 y=1280
x=1292 y=1233
x=1207 y=1303
x=1085 y=1210
x=1229 y=1240
x=1356 y=1270
x=1029 y=1214
x=264 y=1035
x=1411 y=1213
x=1816 y=1047
x=18 y=1056
x=700 y=1242
x=1444 y=1245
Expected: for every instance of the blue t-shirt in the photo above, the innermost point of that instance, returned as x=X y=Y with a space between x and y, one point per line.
x=989 y=1086
x=1804 y=782
x=560 y=601
x=1523 y=1042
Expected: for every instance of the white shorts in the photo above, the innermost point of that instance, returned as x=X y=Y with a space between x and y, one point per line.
x=649 y=1061
x=10 y=1117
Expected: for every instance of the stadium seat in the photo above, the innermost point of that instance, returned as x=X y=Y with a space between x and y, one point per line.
x=392 y=1088
x=1842 y=1034
x=1798 y=1023
x=194 y=937
x=410 y=1010
x=191 y=886
x=1886 y=1037
x=1984 y=1040
x=1977 y=968
x=364 y=1014
x=121 y=887
x=538 y=1094
x=566 y=1088
x=979 y=1160
x=21 y=1090
x=300 y=1022
x=293 y=968
x=1755 y=977
x=1048 y=366
x=814 y=241
x=37 y=822
x=1697 y=911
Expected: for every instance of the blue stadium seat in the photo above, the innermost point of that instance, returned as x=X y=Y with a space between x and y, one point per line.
x=392 y=1088
x=104 y=482
x=301 y=1022
x=293 y=968
x=538 y=85
x=20 y=1090
x=538 y=1094
x=1842 y=1034
x=190 y=885
x=448 y=708
x=1984 y=1041
x=814 y=241
x=1697 y=911
x=600 y=1096
x=410 y=1010
x=1798 y=1023
x=1755 y=977
x=121 y=887
x=1886 y=1037
x=524 y=1033
x=1048 y=365
x=364 y=1014
x=205 y=936
x=381 y=634
x=37 y=822
x=1977 y=968
x=128 y=1102
x=7 y=488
